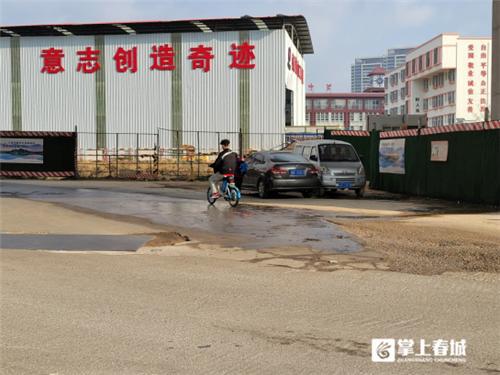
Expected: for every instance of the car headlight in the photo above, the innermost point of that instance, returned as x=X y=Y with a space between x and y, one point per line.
x=361 y=170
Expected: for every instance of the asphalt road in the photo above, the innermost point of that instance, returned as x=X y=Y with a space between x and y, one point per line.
x=193 y=311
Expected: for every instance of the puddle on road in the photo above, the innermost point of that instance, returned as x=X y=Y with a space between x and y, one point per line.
x=258 y=227
x=73 y=242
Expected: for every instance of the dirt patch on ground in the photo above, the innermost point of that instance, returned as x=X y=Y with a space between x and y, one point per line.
x=427 y=250
x=167 y=239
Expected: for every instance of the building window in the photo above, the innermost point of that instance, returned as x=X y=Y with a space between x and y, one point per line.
x=386 y=85
x=402 y=93
x=438 y=80
x=308 y=117
x=451 y=119
x=402 y=109
x=413 y=66
x=394 y=111
x=308 y=103
x=428 y=59
x=402 y=75
x=420 y=68
x=436 y=55
x=407 y=69
x=372 y=103
x=337 y=103
x=426 y=84
x=451 y=97
x=451 y=75
x=426 y=104
x=320 y=103
x=355 y=103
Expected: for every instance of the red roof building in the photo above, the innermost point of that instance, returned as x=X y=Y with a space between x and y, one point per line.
x=343 y=110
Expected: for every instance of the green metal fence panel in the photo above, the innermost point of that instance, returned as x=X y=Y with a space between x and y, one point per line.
x=471 y=172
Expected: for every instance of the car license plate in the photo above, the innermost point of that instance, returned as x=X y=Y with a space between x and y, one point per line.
x=344 y=185
x=297 y=172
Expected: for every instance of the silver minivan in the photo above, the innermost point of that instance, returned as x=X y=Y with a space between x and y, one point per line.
x=339 y=163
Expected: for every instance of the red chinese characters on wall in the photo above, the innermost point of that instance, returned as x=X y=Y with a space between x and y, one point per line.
x=162 y=59
x=88 y=60
x=484 y=77
x=242 y=56
x=52 y=60
x=126 y=60
x=470 y=75
x=200 y=57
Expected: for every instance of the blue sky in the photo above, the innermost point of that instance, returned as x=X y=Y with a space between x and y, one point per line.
x=341 y=29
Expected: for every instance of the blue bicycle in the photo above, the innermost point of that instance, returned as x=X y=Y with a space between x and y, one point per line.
x=228 y=191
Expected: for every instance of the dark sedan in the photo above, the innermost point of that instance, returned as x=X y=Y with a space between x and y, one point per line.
x=275 y=171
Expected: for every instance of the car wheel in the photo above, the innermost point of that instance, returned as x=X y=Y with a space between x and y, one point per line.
x=307 y=194
x=319 y=193
x=359 y=192
x=263 y=189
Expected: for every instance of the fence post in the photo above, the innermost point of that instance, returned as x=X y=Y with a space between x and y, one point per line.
x=157 y=151
x=96 y=142
x=76 y=152
x=199 y=153
x=137 y=154
x=116 y=154
x=240 y=140
x=178 y=153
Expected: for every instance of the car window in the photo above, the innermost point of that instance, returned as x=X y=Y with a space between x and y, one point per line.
x=307 y=152
x=314 y=152
x=286 y=157
x=259 y=158
x=337 y=152
x=298 y=149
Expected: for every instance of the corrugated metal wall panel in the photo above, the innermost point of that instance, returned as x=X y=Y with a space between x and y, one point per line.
x=5 y=86
x=137 y=102
x=210 y=100
x=296 y=85
x=267 y=88
x=56 y=101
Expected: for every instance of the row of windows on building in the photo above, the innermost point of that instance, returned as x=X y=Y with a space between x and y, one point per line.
x=338 y=117
x=439 y=100
x=398 y=110
x=395 y=95
x=437 y=79
x=395 y=78
x=448 y=119
x=341 y=103
x=423 y=62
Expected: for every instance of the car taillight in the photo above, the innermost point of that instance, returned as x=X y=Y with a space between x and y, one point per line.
x=313 y=170
x=279 y=171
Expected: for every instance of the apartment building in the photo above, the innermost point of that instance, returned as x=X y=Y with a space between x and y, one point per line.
x=447 y=78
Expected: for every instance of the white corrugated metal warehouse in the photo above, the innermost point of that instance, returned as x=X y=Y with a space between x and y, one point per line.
x=218 y=75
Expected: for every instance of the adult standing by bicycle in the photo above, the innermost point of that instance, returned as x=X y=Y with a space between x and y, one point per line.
x=225 y=163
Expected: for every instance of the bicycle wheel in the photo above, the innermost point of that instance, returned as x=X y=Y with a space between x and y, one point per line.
x=234 y=196
x=210 y=200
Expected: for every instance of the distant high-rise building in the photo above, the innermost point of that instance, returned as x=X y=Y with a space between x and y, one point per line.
x=364 y=66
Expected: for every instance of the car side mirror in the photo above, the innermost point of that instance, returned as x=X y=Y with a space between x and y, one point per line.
x=313 y=157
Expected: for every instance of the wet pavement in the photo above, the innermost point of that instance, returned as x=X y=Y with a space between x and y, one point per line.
x=255 y=227
x=73 y=242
